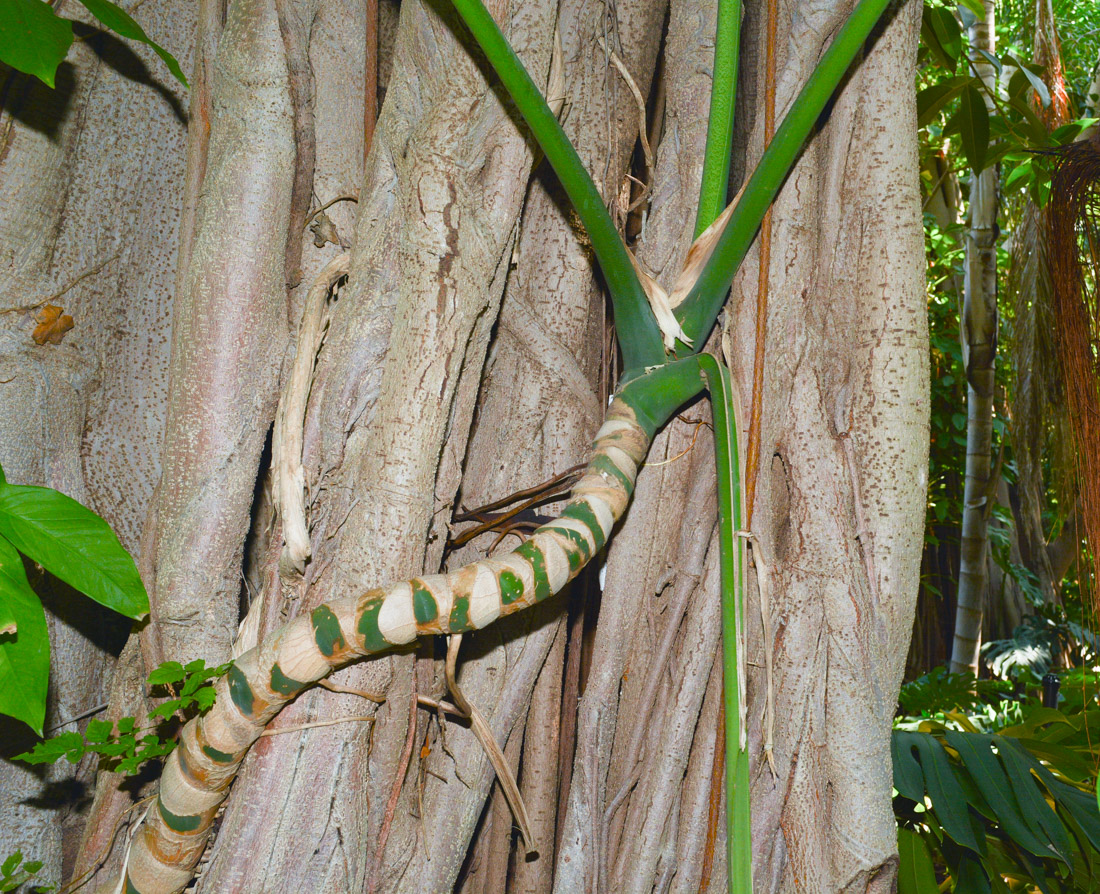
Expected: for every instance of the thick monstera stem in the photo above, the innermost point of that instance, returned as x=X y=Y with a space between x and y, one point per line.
x=263 y=680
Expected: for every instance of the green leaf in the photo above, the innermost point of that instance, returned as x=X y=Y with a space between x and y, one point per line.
x=25 y=655
x=11 y=863
x=68 y=745
x=1023 y=171
x=1042 y=820
x=973 y=119
x=916 y=874
x=908 y=778
x=990 y=58
x=970 y=876
x=1033 y=77
x=168 y=672
x=33 y=39
x=940 y=32
x=74 y=544
x=976 y=7
x=932 y=99
x=989 y=775
x=947 y=799
x=120 y=22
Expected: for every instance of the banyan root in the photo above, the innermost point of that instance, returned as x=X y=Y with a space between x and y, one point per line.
x=199 y=772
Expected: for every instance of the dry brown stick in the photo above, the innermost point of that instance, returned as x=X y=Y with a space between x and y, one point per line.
x=370 y=79
x=91 y=271
x=488 y=741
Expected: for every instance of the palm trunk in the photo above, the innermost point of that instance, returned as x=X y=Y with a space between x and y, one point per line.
x=979 y=334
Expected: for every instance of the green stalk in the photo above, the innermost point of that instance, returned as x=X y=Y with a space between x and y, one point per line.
x=700 y=309
x=714 y=189
x=639 y=337
x=738 y=810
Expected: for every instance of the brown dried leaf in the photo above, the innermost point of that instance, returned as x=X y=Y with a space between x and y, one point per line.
x=699 y=253
x=53 y=323
x=662 y=310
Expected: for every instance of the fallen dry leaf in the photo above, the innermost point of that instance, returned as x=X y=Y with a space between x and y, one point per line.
x=53 y=323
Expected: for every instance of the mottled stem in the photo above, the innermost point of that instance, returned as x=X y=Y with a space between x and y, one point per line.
x=198 y=774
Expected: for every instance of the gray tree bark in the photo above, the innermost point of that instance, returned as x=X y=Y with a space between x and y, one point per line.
x=978 y=331
x=467 y=278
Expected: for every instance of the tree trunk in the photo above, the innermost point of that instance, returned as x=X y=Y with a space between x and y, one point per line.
x=466 y=355
x=979 y=342
x=90 y=178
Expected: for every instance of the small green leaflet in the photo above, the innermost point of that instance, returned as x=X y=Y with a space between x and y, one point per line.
x=24 y=655
x=33 y=39
x=74 y=544
x=119 y=21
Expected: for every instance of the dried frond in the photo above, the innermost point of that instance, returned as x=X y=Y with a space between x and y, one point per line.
x=1074 y=215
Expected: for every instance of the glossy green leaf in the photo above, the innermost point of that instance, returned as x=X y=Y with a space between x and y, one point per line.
x=25 y=655
x=916 y=874
x=970 y=876
x=33 y=39
x=908 y=778
x=932 y=99
x=942 y=788
x=1033 y=74
x=1082 y=806
x=990 y=58
x=989 y=775
x=975 y=7
x=1022 y=172
x=119 y=21
x=1040 y=817
x=74 y=544
x=940 y=32
x=973 y=120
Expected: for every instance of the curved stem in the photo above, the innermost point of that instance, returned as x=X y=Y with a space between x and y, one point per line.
x=198 y=774
x=714 y=188
x=700 y=309
x=639 y=337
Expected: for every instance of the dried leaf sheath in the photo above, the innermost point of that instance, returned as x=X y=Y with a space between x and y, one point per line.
x=199 y=772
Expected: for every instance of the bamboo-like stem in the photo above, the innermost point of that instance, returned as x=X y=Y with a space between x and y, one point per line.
x=727 y=457
x=198 y=774
x=700 y=308
x=714 y=187
x=639 y=337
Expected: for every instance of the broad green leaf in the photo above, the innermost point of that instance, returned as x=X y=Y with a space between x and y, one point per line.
x=11 y=863
x=932 y=99
x=1042 y=820
x=1068 y=132
x=33 y=39
x=990 y=58
x=989 y=775
x=947 y=799
x=74 y=544
x=1022 y=171
x=1033 y=78
x=973 y=118
x=908 y=778
x=1082 y=806
x=916 y=874
x=168 y=672
x=941 y=34
x=25 y=655
x=119 y=21
x=970 y=876
x=975 y=7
